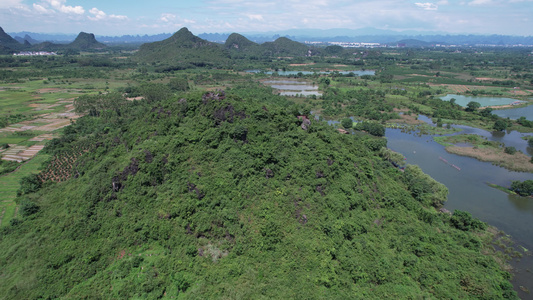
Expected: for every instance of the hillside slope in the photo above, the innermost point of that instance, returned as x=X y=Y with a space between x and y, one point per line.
x=220 y=195
x=7 y=43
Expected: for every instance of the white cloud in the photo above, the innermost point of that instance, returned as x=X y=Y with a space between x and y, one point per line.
x=99 y=15
x=60 y=6
x=10 y=3
x=427 y=6
x=41 y=9
x=255 y=17
x=167 y=18
x=480 y=2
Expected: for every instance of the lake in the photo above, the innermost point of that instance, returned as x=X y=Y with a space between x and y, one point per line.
x=484 y=101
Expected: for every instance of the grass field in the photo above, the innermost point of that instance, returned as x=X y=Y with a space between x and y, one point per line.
x=9 y=184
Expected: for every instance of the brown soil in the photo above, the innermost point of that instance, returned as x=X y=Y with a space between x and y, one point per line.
x=135 y=98
x=520 y=92
x=406 y=119
x=48 y=90
x=301 y=65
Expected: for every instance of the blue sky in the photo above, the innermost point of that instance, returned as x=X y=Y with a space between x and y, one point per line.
x=118 y=17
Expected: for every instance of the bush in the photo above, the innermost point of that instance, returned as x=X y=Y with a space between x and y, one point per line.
x=29 y=184
x=464 y=221
x=523 y=188
x=347 y=123
x=28 y=208
x=510 y=150
x=500 y=125
x=472 y=106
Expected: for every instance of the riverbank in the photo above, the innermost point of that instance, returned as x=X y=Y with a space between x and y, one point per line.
x=480 y=148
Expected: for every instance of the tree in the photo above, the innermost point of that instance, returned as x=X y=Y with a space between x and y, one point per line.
x=500 y=125
x=424 y=188
x=472 y=106
x=179 y=84
x=510 y=150
x=464 y=221
x=29 y=184
x=347 y=123
x=487 y=112
x=530 y=142
x=524 y=188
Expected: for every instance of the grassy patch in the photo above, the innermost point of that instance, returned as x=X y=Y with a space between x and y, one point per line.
x=9 y=184
x=501 y=188
x=480 y=148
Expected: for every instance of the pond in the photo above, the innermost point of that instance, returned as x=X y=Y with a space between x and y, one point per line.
x=484 y=101
x=295 y=73
x=515 y=113
x=294 y=87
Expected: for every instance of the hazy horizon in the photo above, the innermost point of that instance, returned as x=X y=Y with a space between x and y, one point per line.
x=116 y=18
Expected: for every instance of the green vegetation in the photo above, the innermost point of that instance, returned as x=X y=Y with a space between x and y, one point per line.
x=524 y=188
x=187 y=178
x=221 y=193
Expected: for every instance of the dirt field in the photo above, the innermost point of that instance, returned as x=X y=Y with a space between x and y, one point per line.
x=47 y=122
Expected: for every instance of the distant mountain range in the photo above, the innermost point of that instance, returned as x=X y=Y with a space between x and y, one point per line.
x=364 y=35
x=84 y=41
x=183 y=50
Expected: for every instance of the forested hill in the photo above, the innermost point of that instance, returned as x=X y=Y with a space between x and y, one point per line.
x=226 y=195
x=183 y=48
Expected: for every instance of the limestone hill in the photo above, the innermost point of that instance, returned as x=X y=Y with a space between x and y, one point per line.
x=85 y=41
x=286 y=47
x=238 y=42
x=183 y=48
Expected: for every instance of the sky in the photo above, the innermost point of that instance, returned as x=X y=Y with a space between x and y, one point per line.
x=120 y=17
